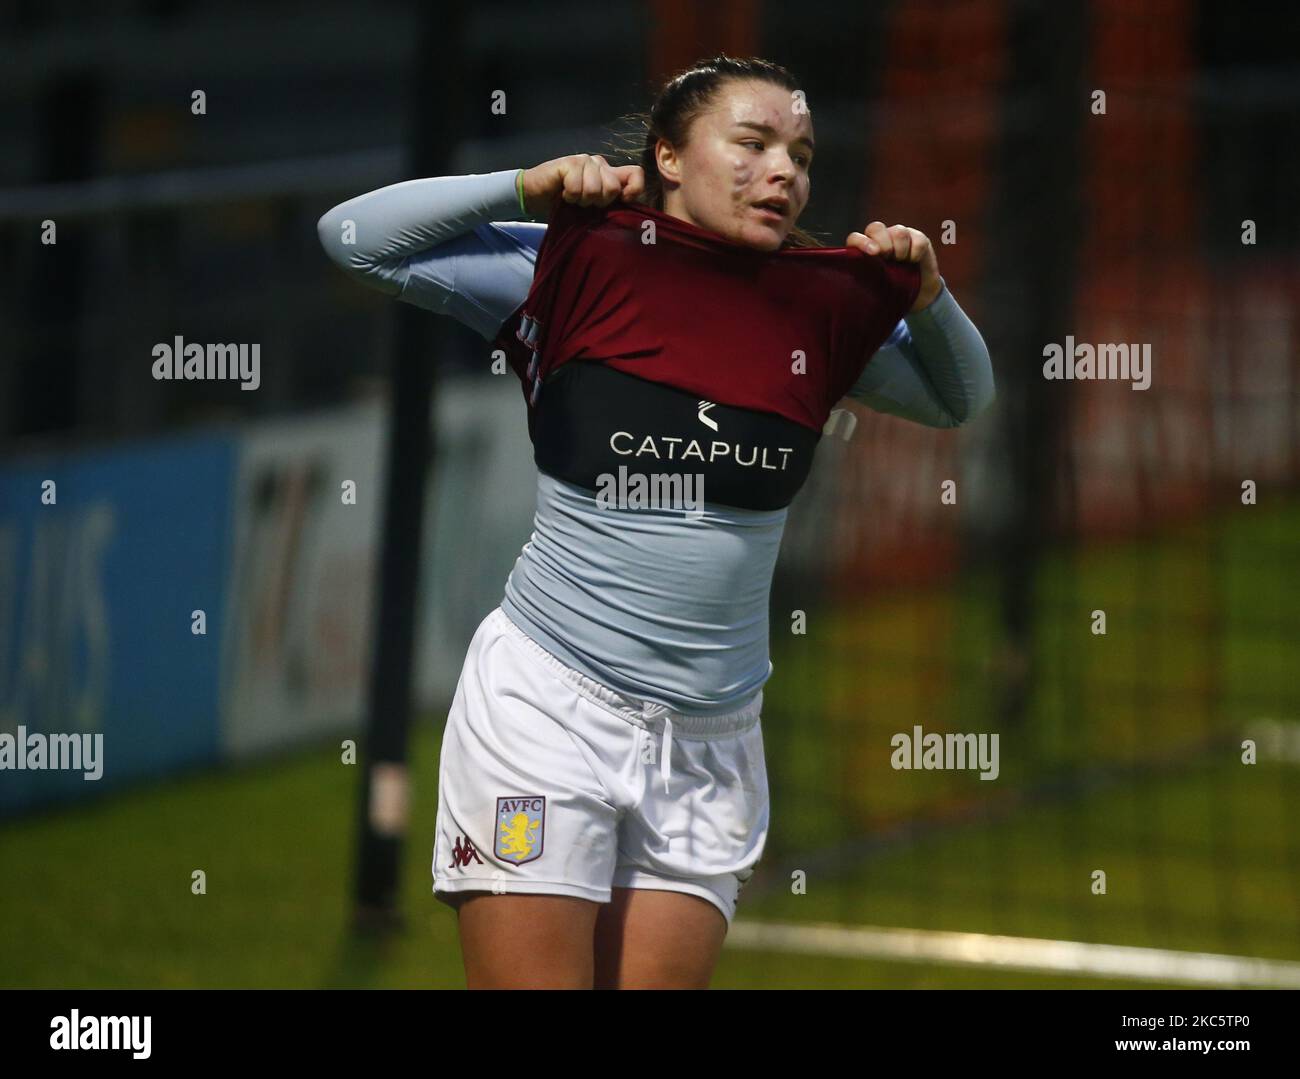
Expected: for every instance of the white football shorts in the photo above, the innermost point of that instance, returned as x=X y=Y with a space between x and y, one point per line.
x=551 y=783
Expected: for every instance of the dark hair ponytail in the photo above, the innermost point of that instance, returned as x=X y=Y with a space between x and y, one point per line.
x=681 y=99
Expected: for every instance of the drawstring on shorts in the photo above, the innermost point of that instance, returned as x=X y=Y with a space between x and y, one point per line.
x=666 y=749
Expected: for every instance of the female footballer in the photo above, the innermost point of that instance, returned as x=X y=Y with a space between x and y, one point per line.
x=602 y=790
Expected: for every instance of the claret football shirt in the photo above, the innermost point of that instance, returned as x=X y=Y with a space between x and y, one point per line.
x=651 y=344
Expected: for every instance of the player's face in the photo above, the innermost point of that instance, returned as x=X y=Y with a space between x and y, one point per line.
x=753 y=143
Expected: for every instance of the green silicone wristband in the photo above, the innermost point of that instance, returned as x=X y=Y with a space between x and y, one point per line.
x=519 y=186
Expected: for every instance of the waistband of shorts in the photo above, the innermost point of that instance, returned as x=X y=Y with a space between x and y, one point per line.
x=641 y=712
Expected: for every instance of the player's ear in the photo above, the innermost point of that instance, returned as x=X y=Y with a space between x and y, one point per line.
x=667 y=160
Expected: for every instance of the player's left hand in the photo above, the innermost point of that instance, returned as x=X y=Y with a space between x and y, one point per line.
x=903 y=245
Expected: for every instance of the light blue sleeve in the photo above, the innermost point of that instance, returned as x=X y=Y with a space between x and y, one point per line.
x=443 y=243
x=934 y=369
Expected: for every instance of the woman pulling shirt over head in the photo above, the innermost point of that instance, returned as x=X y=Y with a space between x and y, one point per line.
x=680 y=343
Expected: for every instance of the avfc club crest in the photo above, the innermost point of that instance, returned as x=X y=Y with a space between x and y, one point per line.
x=521 y=827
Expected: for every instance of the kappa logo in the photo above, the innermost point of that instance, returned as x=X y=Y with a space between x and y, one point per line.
x=708 y=421
x=462 y=852
x=521 y=828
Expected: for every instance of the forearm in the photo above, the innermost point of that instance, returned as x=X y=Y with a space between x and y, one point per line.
x=393 y=223
x=935 y=371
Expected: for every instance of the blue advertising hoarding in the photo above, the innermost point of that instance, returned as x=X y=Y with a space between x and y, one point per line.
x=104 y=557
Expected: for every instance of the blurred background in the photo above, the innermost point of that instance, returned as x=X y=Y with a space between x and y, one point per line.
x=163 y=166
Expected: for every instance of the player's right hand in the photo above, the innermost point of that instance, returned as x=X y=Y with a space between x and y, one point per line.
x=583 y=179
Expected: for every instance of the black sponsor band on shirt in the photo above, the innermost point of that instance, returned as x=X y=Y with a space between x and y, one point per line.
x=593 y=420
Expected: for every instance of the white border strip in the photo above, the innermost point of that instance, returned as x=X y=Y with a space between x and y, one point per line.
x=1015 y=953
